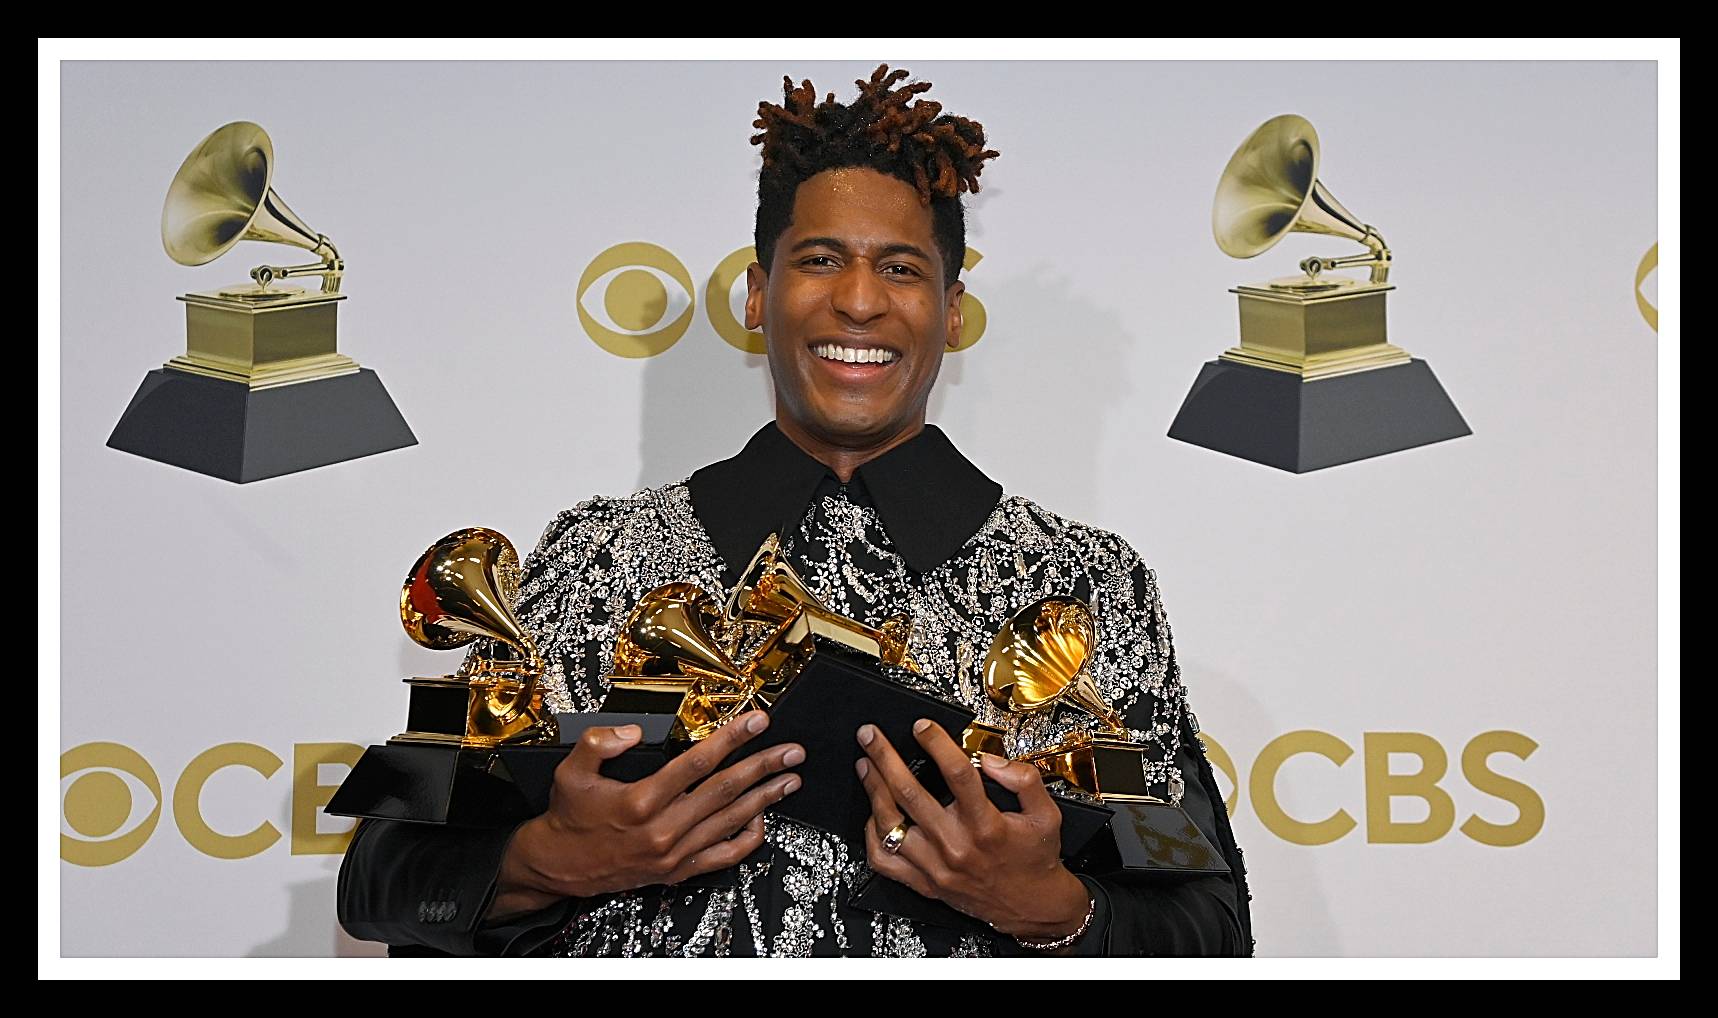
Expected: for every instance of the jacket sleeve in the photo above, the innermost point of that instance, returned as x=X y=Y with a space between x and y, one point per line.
x=1137 y=668
x=426 y=887
x=1196 y=916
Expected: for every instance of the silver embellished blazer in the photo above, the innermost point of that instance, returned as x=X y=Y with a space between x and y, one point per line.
x=918 y=530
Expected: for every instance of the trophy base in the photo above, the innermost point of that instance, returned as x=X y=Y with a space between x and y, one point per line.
x=226 y=429
x=822 y=709
x=1149 y=840
x=466 y=787
x=1274 y=418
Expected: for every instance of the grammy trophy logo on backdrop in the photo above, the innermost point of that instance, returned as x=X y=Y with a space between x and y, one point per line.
x=260 y=390
x=1315 y=381
x=637 y=299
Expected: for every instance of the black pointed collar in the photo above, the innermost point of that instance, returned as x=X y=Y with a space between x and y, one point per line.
x=930 y=498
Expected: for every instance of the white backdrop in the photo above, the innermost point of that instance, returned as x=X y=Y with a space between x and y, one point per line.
x=1504 y=582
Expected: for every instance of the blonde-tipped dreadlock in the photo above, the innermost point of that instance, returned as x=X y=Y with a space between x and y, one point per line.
x=884 y=129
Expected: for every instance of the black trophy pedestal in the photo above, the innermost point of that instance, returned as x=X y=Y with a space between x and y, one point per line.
x=1274 y=418
x=822 y=710
x=1150 y=841
x=482 y=787
x=228 y=430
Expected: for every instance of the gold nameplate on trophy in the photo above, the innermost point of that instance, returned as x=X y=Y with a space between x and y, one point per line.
x=1038 y=661
x=461 y=590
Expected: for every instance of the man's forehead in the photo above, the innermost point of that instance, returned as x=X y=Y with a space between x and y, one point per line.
x=860 y=207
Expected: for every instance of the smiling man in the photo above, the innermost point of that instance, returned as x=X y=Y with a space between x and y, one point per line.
x=860 y=237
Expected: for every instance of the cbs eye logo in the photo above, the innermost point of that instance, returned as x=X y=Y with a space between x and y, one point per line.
x=637 y=300
x=102 y=789
x=1645 y=270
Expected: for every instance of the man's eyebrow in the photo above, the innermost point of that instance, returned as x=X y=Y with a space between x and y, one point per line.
x=819 y=242
x=837 y=244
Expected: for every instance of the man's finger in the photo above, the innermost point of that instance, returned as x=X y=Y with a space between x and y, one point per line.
x=701 y=760
x=957 y=770
x=903 y=787
x=900 y=870
x=601 y=743
x=884 y=811
x=1027 y=784
x=728 y=784
x=749 y=807
x=722 y=854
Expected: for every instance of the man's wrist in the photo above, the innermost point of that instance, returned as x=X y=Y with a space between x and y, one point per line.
x=515 y=891
x=1073 y=906
x=1061 y=937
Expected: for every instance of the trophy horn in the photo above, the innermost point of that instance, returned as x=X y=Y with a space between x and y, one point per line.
x=461 y=590
x=665 y=653
x=1040 y=658
x=223 y=194
x=667 y=636
x=1271 y=189
x=772 y=590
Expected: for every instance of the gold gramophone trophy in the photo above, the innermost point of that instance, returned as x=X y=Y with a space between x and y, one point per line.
x=773 y=645
x=1040 y=661
x=261 y=389
x=1315 y=381
x=479 y=746
x=679 y=652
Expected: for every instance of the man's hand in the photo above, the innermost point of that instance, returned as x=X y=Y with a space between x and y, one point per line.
x=600 y=835
x=1003 y=868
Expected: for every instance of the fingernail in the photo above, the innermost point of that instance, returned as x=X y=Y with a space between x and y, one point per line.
x=863 y=767
x=866 y=734
x=994 y=762
x=921 y=724
x=793 y=757
x=791 y=786
x=756 y=722
x=629 y=731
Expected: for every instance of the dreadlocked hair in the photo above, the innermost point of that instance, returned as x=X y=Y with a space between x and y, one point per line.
x=884 y=129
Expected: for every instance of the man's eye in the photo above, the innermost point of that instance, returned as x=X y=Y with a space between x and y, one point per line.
x=906 y=270
x=819 y=260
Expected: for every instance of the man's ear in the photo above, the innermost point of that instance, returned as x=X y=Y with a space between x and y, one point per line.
x=952 y=313
x=757 y=286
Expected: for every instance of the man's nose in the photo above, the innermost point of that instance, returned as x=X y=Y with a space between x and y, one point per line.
x=859 y=295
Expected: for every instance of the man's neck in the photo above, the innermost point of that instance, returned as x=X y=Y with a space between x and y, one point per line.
x=842 y=460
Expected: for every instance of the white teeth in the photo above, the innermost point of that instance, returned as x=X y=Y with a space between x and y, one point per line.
x=854 y=355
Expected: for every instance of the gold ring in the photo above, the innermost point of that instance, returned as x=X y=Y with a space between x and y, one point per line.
x=897 y=834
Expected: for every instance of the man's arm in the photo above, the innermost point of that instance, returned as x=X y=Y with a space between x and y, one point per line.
x=427 y=885
x=1190 y=916
x=1206 y=915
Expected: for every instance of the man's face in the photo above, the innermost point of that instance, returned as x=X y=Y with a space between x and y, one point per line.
x=854 y=309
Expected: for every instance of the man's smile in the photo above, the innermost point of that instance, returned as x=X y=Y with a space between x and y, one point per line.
x=855 y=362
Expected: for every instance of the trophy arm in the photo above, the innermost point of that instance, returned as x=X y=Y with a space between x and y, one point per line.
x=330 y=268
x=1377 y=256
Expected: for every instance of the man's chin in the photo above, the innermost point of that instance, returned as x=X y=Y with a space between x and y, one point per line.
x=854 y=430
